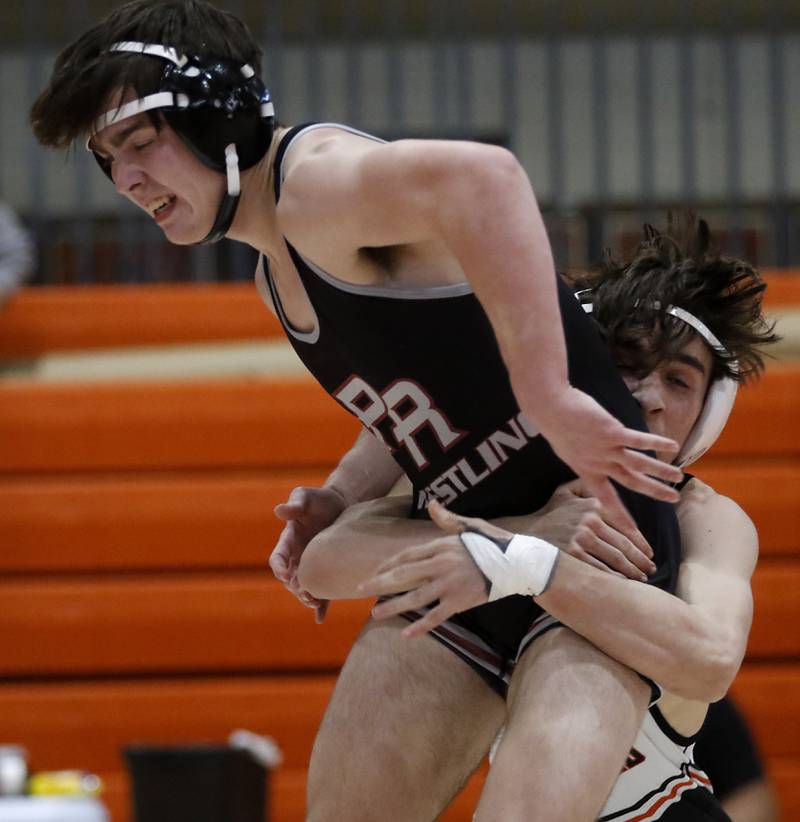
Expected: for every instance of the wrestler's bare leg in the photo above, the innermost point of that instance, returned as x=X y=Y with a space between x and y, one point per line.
x=573 y=714
x=407 y=724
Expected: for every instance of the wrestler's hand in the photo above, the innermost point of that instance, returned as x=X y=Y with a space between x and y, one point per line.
x=307 y=512
x=439 y=570
x=576 y=523
x=599 y=448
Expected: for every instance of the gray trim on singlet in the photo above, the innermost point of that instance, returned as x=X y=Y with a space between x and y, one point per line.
x=413 y=292
x=315 y=126
x=309 y=337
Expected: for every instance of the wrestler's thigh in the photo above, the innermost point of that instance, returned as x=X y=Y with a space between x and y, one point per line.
x=407 y=724
x=573 y=714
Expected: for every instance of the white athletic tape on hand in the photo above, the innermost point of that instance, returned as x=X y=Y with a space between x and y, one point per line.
x=525 y=567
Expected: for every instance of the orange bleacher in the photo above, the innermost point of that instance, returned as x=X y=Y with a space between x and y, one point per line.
x=67 y=319
x=136 y=522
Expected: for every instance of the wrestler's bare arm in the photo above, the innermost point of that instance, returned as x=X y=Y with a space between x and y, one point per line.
x=474 y=199
x=349 y=552
x=365 y=536
x=366 y=471
x=691 y=644
x=475 y=203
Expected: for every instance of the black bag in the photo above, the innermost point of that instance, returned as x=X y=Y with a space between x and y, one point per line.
x=196 y=783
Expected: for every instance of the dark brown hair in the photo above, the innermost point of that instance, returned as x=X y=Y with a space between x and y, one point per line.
x=86 y=74
x=680 y=268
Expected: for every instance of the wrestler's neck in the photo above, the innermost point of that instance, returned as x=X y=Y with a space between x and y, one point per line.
x=255 y=222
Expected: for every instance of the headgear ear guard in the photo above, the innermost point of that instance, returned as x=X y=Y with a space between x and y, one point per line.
x=720 y=396
x=221 y=111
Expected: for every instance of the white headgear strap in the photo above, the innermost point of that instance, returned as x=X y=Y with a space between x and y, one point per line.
x=161 y=99
x=720 y=396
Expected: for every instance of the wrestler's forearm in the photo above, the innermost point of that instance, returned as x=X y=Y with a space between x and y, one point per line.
x=367 y=471
x=351 y=550
x=641 y=626
x=651 y=631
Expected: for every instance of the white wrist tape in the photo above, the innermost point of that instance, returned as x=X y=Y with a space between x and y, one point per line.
x=521 y=565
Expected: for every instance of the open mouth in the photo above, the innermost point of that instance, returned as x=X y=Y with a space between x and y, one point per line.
x=161 y=206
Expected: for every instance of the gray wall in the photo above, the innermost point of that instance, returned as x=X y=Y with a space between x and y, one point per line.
x=590 y=119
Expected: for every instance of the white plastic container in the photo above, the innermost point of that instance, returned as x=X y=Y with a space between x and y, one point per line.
x=13 y=770
x=51 y=809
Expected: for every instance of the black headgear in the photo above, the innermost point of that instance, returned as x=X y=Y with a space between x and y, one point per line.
x=221 y=110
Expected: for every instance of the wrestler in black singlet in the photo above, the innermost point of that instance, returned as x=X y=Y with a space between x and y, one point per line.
x=422 y=367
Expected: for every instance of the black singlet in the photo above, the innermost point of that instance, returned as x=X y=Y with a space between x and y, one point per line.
x=421 y=368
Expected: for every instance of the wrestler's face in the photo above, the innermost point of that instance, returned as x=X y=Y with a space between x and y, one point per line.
x=673 y=393
x=155 y=170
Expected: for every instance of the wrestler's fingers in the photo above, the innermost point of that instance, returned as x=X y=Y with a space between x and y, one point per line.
x=416 y=553
x=576 y=488
x=645 y=485
x=604 y=491
x=432 y=619
x=310 y=602
x=321 y=611
x=632 y=535
x=277 y=564
x=652 y=466
x=620 y=543
x=294 y=507
x=280 y=558
x=306 y=597
x=446 y=519
x=578 y=552
x=288 y=511
x=410 y=601
x=645 y=441
x=398 y=579
x=609 y=556
x=457 y=523
x=303 y=596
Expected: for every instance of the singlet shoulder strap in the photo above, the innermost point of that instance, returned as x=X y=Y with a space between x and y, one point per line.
x=687 y=478
x=286 y=141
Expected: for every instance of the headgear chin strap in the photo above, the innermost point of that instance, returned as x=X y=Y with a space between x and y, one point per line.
x=719 y=399
x=220 y=110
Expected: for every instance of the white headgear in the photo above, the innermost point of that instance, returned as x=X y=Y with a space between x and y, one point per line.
x=719 y=399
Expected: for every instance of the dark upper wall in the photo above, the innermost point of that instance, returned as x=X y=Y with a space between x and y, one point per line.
x=53 y=22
